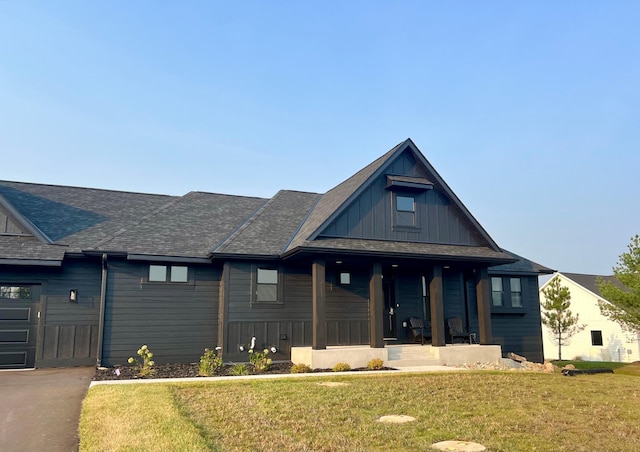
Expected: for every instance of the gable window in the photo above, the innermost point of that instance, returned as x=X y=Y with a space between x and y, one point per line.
x=267 y=285
x=405 y=210
x=345 y=278
x=496 y=291
x=596 y=338
x=168 y=273
x=516 y=292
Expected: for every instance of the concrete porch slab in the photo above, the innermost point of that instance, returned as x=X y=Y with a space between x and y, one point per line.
x=359 y=355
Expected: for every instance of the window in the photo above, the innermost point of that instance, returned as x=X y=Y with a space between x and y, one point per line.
x=15 y=292
x=164 y=273
x=345 y=278
x=496 y=291
x=267 y=285
x=596 y=338
x=405 y=211
x=516 y=293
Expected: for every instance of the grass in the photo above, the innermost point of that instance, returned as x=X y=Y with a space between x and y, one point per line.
x=505 y=411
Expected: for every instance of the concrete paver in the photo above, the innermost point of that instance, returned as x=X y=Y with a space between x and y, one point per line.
x=40 y=409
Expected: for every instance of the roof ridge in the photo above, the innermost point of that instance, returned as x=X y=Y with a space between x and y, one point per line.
x=88 y=188
x=141 y=220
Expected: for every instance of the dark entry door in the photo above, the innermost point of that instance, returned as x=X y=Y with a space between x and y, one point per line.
x=19 y=307
x=389 y=317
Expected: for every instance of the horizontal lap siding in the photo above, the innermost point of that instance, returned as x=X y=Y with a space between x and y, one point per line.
x=521 y=333
x=176 y=321
x=348 y=309
x=290 y=323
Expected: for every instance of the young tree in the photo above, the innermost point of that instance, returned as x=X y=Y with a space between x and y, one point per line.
x=623 y=304
x=556 y=314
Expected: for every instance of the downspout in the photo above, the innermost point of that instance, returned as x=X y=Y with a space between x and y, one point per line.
x=103 y=300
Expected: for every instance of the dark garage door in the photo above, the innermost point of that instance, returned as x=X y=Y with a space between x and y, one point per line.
x=19 y=305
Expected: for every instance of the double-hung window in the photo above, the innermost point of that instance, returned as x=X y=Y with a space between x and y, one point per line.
x=516 y=292
x=267 y=282
x=496 y=292
x=405 y=210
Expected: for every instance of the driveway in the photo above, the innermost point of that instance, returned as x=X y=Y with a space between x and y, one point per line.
x=40 y=409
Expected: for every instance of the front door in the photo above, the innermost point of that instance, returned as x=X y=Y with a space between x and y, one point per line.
x=389 y=317
x=19 y=309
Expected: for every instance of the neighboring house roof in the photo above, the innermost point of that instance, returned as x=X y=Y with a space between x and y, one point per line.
x=588 y=282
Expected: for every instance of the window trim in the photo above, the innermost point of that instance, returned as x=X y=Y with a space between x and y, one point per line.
x=19 y=287
x=396 y=211
x=512 y=292
x=279 y=286
x=501 y=292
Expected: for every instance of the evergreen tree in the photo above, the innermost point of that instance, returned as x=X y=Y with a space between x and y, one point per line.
x=556 y=314
x=623 y=304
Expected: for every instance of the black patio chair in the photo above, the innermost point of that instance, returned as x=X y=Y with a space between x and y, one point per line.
x=420 y=329
x=457 y=331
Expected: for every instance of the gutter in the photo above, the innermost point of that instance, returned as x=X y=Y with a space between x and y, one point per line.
x=103 y=301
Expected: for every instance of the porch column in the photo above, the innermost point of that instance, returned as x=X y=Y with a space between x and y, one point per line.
x=436 y=295
x=483 y=295
x=376 y=307
x=319 y=305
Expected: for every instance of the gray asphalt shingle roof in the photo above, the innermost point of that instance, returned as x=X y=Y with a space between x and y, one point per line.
x=200 y=225
x=589 y=281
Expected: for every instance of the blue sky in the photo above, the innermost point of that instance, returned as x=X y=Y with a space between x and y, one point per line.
x=529 y=110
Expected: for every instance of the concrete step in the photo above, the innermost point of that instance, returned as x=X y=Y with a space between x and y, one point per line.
x=399 y=363
x=412 y=352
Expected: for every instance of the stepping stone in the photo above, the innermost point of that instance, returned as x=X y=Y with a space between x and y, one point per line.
x=332 y=384
x=396 y=419
x=459 y=446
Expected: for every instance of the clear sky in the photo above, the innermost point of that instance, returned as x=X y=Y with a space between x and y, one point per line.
x=529 y=110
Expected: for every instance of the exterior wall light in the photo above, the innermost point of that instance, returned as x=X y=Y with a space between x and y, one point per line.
x=73 y=296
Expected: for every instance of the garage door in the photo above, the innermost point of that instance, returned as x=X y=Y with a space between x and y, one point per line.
x=19 y=306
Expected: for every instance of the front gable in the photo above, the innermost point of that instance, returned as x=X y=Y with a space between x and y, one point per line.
x=406 y=200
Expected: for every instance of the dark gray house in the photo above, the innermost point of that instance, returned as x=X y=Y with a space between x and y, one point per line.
x=87 y=275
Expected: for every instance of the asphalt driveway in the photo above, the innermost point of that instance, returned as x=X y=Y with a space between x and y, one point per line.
x=40 y=409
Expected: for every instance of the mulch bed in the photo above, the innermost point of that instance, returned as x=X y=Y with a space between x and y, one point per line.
x=184 y=370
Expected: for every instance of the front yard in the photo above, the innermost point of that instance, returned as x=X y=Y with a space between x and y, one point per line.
x=505 y=411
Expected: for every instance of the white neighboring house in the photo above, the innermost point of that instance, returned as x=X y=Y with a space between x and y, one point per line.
x=602 y=339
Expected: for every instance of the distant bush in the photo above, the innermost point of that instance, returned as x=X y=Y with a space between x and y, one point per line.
x=341 y=367
x=300 y=369
x=375 y=364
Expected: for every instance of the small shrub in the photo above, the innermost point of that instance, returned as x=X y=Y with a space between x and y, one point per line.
x=375 y=364
x=300 y=369
x=210 y=362
x=341 y=367
x=144 y=366
x=239 y=369
x=260 y=360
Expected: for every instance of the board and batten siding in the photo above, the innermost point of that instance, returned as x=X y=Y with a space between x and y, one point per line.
x=519 y=331
x=177 y=321
x=371 y=214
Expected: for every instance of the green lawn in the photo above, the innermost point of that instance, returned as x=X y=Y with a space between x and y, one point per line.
x=505 y=411
x=584 y=365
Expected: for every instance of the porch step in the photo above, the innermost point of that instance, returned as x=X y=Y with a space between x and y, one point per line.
x=411 y=355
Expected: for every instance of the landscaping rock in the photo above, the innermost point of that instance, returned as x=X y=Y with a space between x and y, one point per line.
x=515 y=357
x=396 y=419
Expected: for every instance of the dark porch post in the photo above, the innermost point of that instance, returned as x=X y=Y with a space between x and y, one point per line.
x=436 y=294
x=483 y=295
x=319 y=305
x=376 y=307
